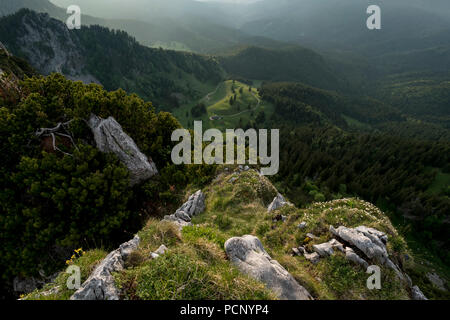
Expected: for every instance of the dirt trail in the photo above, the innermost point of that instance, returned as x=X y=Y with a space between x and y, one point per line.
x=207 y=98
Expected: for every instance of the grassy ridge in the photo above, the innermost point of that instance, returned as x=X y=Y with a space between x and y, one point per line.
x=196 y=266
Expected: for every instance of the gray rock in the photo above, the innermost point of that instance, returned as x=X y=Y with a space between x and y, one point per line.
x=324 y=249
x=369 y=243
x=296 y=252
x=396 y=269
x=302 y=225
x=161 y=250
x=417 y=294
x=375 y=235
x=277 y=203
x=352 y=256
x=437 y=281
x=246 y=168
x=110 y=138
x=177 y=221
x=337 y=245
x=302 y=250
x=194 y=205
x=100 y=284
x=154 y=255
x=249 y=256
x=311 y=236
x=312 y=257
x=409 y=281
x=183 y=216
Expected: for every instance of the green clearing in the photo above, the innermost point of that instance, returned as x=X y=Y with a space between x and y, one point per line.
x=220 y=113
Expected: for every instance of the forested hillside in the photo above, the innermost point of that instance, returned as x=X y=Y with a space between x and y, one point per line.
x=152 y=73
x=297 y=103
x=62 y=195
x=283 y=64
x=86 y=124
x=390 y=160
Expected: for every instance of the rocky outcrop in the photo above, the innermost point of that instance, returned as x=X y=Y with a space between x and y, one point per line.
x=249 y=256
x=183 y=216
x=110 y=137
x=49 y=46
x=312 y=257
x=352 y=256
x=326 y=249
x=161 y=250
x=277 y=203
x=302 y=225
x=436 y=281
x=417 y=294
x=367 y=240
x=100 y=284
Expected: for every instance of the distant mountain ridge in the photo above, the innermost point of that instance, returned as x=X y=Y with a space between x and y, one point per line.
x=191 y=33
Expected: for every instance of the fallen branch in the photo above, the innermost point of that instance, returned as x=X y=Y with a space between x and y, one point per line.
x=53 y=132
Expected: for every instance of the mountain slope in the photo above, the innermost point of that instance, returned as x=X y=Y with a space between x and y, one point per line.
x=188 y=33
x=152 y=73
x=236 y=205
x=296 y=103
x=12 y=70
x=284 y=64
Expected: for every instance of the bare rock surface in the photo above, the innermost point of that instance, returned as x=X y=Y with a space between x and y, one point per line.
x=417 y=294
x=352 y=256
x=327 y=249
x=277 y=203
x=183 y=216
x=437 y=281
x=365 y=239
x=312 y=257
x=248 y=254
x=110 y=137
x=100 y=284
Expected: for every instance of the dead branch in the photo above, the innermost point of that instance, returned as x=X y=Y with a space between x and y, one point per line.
x=59 y=130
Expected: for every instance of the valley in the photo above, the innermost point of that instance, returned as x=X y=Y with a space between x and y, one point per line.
x=364 y=148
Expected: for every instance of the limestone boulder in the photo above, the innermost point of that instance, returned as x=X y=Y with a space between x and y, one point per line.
x=248 y=255
x=100 y=284
x=110 y=138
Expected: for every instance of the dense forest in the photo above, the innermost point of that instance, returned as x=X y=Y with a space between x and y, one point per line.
x=54 y=200
x=291 y=63
x=299 y=103
x=322 y=157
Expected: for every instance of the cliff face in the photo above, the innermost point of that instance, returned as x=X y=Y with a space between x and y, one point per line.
x=110 y=57
x=48 y=45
